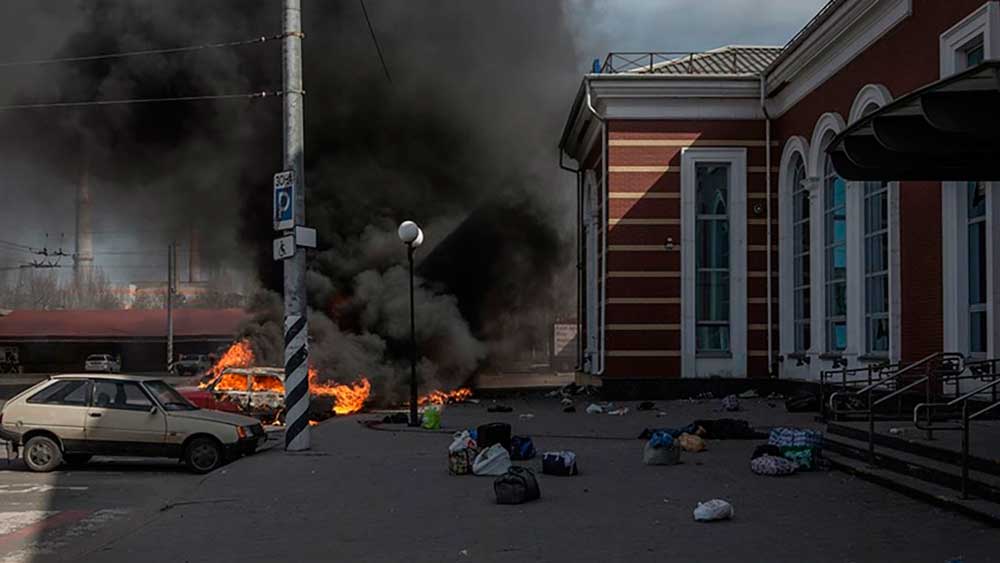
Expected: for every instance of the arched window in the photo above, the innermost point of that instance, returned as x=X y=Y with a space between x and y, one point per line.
x=800 y=255
x=835 y=257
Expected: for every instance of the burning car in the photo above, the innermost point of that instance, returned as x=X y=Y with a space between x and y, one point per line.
x=253 y=391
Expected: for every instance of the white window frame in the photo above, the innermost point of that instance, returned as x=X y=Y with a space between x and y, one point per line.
x=983 y=25
x=735 y=364
x=794 y=146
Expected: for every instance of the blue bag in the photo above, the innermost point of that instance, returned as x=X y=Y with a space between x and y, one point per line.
x=521 y=448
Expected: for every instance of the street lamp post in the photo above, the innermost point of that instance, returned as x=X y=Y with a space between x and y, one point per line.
x=412 y=237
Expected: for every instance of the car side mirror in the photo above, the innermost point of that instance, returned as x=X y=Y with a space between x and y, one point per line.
x=153 y=409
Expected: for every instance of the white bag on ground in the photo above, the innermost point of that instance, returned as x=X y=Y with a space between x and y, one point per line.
x=462 y=440
x=494 y=460
x=715 y=509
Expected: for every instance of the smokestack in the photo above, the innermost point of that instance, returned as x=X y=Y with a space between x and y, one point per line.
x=83 y=257
x=194 y=256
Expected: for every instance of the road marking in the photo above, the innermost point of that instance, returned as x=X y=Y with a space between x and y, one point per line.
x=25 y=488
x=29 y=527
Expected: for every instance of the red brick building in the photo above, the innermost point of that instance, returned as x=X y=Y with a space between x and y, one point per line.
x=718 y=239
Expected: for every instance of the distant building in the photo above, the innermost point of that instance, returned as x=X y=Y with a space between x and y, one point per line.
x=59 y=341
x=718 y=237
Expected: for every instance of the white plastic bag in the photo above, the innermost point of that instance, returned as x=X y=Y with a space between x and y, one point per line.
x=595 y=409
x=462 y=441
x=715 y=509
x=494 y=460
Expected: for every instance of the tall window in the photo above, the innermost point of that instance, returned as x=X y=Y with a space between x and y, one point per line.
x=800 y=254
x=712 y=257
x=835 y=255
x=977 y=266
x=876 y=267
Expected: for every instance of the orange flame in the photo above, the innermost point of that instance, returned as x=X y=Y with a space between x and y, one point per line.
x=239 y=355
x=349 y=398
x=438 y=397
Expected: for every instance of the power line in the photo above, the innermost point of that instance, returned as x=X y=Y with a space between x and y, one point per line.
x=125 y=54
x=16 y=245
x=378 y=48
x=250 y=96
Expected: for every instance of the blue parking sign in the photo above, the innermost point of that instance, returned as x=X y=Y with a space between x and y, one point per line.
x=284 y=200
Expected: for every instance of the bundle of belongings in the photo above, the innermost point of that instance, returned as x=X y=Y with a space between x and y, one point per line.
x=717 y=429
x=461 y=453
x=494 y=460
x=562 y=463
x=521 y=448
x=661 y=449
x=788 y=450
x=518 y=485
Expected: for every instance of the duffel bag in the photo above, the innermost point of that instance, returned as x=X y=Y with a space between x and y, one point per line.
x=518 y=485
x=559 y=463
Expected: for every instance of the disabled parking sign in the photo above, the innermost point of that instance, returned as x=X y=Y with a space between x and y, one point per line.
x=284 y=200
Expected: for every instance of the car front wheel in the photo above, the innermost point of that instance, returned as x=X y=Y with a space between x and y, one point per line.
x=42 y=454
x=203 y=455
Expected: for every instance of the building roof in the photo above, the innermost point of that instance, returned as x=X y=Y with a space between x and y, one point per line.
x=731 y=60
x=119 y=324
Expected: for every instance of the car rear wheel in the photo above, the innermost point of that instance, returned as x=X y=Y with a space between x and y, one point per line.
x=203 y=455
x=42 y=454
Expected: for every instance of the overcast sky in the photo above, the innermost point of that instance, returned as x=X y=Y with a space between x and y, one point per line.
x=685 y=25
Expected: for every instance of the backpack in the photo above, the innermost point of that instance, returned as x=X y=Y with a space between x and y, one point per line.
x=518 y=485
x=521 y=448
x=559 y=463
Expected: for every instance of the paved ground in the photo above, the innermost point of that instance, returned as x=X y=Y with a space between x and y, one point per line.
x=366 y=495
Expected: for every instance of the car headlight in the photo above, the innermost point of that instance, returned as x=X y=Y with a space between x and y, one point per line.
x=242 y=432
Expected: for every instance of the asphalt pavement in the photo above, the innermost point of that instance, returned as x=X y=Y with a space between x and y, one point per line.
x=385 y=495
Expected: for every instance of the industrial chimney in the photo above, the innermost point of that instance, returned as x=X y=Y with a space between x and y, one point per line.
x=83 y=257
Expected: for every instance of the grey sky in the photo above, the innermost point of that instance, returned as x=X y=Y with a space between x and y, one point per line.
x=685 y=25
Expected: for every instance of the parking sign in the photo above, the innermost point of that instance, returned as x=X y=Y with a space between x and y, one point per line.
x=284 y=200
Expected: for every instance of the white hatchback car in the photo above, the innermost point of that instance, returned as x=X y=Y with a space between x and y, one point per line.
x=103 y=363
x=73 y=417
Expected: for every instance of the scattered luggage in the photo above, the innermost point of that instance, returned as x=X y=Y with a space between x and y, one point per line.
x=795 y=437
x=517 y=486
x=521 y=448
x=494 y=460
x=712 y=510
x=691 y=443
x=561 y=463
x=731 y=403
x=647 y=433
x=772 y=465
x=659 y=451
x=766 y=449
x=493 y=433
x=431 y=419
x=594 y=408
x=461 y=453
x=803 y=457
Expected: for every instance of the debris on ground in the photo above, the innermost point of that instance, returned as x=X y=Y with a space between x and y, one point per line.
x=396 y=418
x=765 y=449
x=499 y=408
x=749 y=394
x=730 y=403
x=619 y=412
x=691 y=443
x=526 y=416
x=646 y=406
x=566 y=402
x=594 y=408
x=802 y=401
x=561 y=463
x=517 y=486
x=521 y=448
x=728 y=429
x=647 y=433
x=494 y=460
x=661 y=449
x=712 y=510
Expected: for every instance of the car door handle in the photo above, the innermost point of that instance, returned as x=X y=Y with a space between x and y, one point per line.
x=95 y=414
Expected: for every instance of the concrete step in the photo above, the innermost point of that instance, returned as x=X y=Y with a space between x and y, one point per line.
x=979 y=485
x=944 y=455
x=932 y=493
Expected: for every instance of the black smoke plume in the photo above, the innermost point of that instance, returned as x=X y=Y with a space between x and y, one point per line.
x=461 y=140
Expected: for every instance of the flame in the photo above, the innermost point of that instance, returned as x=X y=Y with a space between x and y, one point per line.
x=349 y=398
x=239 y=355
x=438 y=397
x=229 y=382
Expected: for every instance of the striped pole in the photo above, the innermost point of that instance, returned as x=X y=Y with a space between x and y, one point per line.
x=296 y=333
x=296 y=384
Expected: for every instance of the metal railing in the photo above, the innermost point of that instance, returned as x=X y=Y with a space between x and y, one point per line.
x=935 y=369
x=847 y=378
x=679 y=62
x=964 y=401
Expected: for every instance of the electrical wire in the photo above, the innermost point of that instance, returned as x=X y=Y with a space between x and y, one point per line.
x=15 y=245
x=250 y=96
x=378 y=48
x=125 y=54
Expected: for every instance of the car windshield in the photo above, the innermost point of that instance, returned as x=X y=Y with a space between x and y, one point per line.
x=97 y=357
x=169 y=397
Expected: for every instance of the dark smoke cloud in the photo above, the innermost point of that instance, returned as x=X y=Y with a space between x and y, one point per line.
x=466 y=128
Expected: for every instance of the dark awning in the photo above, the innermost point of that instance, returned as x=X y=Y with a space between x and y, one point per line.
x=948 y=130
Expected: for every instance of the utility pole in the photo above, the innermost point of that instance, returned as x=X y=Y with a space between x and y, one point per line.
x=171 y=288
x=296 y=331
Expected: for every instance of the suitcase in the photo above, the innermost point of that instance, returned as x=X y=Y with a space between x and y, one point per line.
x=517 y=486
x=493 y=433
